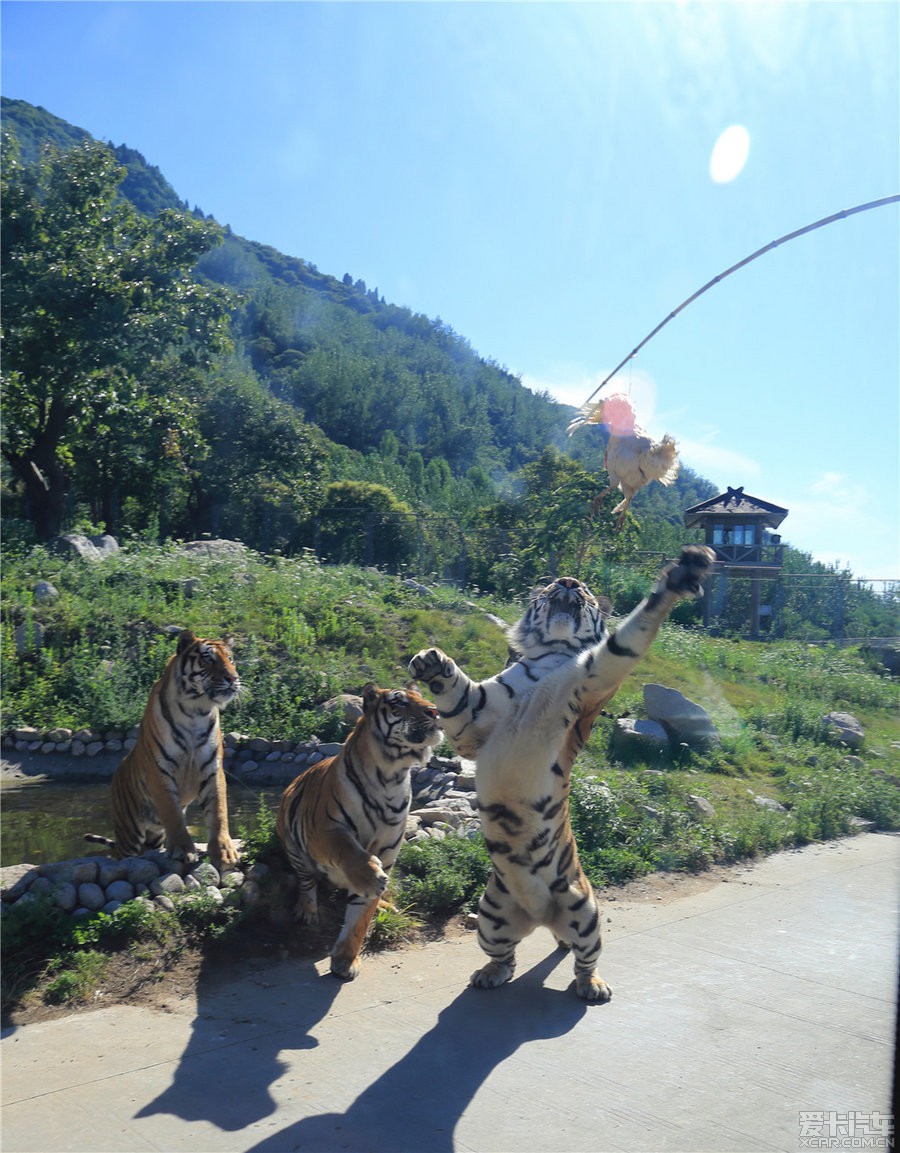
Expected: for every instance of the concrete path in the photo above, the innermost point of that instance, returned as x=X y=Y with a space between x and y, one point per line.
x=735 y=1009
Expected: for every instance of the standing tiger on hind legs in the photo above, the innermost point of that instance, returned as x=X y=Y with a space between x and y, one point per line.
x=524 y=727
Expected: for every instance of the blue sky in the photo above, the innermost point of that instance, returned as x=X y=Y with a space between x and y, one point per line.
x=538 y=175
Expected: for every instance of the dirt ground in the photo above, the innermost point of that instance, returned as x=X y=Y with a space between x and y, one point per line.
x=169 y=980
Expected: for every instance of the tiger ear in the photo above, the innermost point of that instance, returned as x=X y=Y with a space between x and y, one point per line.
x=186 y=638
x=370 y=696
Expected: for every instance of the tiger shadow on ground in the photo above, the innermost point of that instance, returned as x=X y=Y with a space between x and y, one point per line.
x=247 y=1014
x=415 y=1105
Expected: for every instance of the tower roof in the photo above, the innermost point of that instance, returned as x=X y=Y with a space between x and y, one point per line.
x=734 y=502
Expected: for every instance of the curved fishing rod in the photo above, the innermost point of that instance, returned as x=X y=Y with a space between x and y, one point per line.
x=759 y=252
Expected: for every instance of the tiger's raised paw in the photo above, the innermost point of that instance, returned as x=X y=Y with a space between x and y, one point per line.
x=430 y=665
x=686 y=575
x=492 y=976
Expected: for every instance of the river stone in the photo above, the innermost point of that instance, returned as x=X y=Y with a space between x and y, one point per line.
x=111 y=906
x=168 y=885
x=141 y=870
x=119 y=891
x=205 y=873
x=66 y=897
x=109 y=871
x=91 y=897
x=42 y=887
x=81 y=871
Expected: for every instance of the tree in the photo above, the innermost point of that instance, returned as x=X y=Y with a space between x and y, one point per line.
x=361 y=523
x=99 y=313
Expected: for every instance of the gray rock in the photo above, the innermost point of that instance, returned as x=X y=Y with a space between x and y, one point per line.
x=167 y=885
x=74 y=544
x=769 y=803
x=205 y=873
x=141 y=870
x=684 y=720
x=16 y=880
x=111 y=906
x=119 y=891
x=91 y=897
x=701 y=806
x=214 y=548
x=109 y=871
x=439 y=817
x=348 y=705
x=844 y=729
x=29 y=637
x=632 y=737
x=44 y=591
x=66 y=897
x=79 y=871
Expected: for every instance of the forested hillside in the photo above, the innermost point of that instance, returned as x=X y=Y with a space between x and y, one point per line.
x=248 y=394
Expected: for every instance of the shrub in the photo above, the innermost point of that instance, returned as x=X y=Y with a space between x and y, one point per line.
x=441 y=877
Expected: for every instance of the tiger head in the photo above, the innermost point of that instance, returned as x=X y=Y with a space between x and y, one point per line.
x=563 y=616
x=205 y=670
x=403 y=721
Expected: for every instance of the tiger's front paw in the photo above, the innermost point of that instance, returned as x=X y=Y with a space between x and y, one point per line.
x=430 y=666
x=373 y=880
x=685 y=577
x=223 y=853
x=345 y=967
x=493 y=975
x=184 y=850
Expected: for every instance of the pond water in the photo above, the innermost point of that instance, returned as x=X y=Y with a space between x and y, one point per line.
x=47 y=820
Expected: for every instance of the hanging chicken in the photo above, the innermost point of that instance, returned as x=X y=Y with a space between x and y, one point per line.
x=633 y=458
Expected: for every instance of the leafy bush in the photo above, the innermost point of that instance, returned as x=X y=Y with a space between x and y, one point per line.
x=441 y=877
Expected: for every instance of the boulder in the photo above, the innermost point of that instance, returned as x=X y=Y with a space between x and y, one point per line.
x=632 y=737
x=844 y=729
x=45 y=591
x=684 y=720
x=348 y=705
x=214 y=548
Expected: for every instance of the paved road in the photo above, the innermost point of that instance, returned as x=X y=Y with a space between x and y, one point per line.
x=735 y=1008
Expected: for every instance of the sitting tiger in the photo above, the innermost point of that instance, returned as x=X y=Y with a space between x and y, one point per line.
x=525 y=726
x=178 y=758
x=344 y=818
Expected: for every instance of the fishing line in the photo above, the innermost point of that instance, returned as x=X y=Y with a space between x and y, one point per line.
x=747 y=259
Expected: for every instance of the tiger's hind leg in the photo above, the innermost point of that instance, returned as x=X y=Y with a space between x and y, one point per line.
x=577 y=927
x=502 y=924
x=345 y=954
x=306 y=908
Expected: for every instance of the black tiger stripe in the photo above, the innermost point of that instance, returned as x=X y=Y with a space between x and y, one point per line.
x=619 y=650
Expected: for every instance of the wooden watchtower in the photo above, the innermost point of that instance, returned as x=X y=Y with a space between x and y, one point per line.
x=739 y=529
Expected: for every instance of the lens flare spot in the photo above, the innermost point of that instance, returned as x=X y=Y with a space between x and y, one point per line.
x=729 y=154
